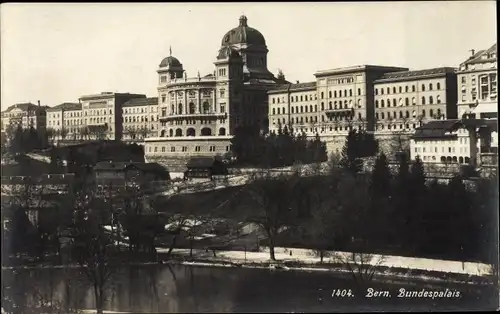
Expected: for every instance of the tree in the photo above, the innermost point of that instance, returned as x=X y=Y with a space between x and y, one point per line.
x=351 y=153
x=272 y=204
x=93 y=247
x=131 y=132
x=144 y=132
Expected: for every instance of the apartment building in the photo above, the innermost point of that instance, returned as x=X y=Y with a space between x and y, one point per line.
x=477 y=80
x=405 y=100
x=65 y=121
x=25 y=115
x=140 y=118
x=101 y=113
x=458 y=141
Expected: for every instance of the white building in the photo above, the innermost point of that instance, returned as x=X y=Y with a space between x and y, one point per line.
x=453 y=141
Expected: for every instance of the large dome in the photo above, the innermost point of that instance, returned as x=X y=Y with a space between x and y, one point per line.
x=243 y=35
x=170 y=61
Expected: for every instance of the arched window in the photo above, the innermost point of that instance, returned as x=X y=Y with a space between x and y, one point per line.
x=345 y=92
x=330 y=94
x=413 y=88
x=310 y=108
x=413 y=101
x=382 y=105
x=407 y=101
x=322 y=96
x=431 y=100
x=461 y=160
x=430 y=86
x=438 y=99
x=330 y=105
x=359 y=91
x=350 y=92
x=388 y=103
x=274 y=111
x=467 y=160
x=394 y=103
x=171 y=132
x=293 y=111
x=376 y=115
x=190 y=132
x=206 y=107
x=406 y=88
x=407 y=114
x=439 y=112
x=206 y=132
x=455 y=159
x=423 y=113
x=179 y=111
x=376 y=103
x=423 y=87
x=323 y=106
x=438 y=86
x=394 y=90
x=178 y=132
x=381 y=115
x=423 y=100
x=401 y=114
x=443 y=159
x=301 y=109
x=163 y=133
x=345 y=104
x=431 y=113
x=192 y=108
x=222 y=131
x=376 y=91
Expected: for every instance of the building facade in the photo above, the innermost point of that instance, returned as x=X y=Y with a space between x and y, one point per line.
x=407 y=99
x=198 y=115
x=454 y=141
x=101 y=113
x=64 y=121
x=477 y=80
x=25 y=115
x=140 y=118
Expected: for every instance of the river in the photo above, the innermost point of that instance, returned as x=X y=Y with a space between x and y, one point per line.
x=177 y=288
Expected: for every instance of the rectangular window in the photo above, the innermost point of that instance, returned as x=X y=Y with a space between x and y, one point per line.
x=172 y=149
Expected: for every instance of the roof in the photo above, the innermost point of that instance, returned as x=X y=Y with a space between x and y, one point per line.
x=359 y=68
x=200 y=162
x=482 y=56
x=293 y=87
x=120 y=166
x=436 y=129
x=170 y=61
x=243 y=34
x=22 y=106
x=405 y=75
x=141 y=102
x=443 y=128
x=66 y=106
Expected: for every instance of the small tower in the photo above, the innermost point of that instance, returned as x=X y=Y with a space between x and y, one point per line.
x=170 y=69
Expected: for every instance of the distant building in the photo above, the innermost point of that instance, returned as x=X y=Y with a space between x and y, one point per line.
x=199 y=114
x=140 y=118
x=25 y=115
x=124 y=173
x=478 y=89
x=102 y=114
x=204 y=167
x=65 y=121
x=453 y=141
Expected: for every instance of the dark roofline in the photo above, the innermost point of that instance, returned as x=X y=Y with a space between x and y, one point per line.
x=135 y=102
x=358 y=68
x=476 y=58
x=415 y=75
x=110 y=95
x=28 y=104
x=294 y=87
x=66 y=106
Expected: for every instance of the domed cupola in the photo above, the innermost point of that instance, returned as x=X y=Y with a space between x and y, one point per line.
x=171 y=65
x=243 y=34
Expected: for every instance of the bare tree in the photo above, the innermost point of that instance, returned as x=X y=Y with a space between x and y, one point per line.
x=361 y=266
x=400 y=141
x=131 y=132
x=63 y=133
x=144 y=132
x=94 y=247
x=51 y=135
x=272 y=205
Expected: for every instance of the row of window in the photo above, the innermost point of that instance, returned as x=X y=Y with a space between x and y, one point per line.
x=206 y=108
x=184 y=149
x=406 y=90
x=435 y=149
x=399 y=103
x=448 y=159
x=406 y=115
x=306 y=109
x=142 y=119
x=297 y=98
x=136 y=110
x=191 y=132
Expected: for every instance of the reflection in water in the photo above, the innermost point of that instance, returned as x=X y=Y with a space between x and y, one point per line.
x=164 y=288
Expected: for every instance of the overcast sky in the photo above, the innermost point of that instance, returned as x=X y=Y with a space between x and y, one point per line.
x=57 y=52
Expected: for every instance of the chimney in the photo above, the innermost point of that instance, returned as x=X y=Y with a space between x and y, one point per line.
x=297 y=82
x=472 y=51
x=38 y=103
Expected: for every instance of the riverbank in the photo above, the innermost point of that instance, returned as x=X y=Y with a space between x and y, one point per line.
x=392 y=268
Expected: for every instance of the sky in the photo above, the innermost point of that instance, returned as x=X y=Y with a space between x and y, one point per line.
x=56 y=53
